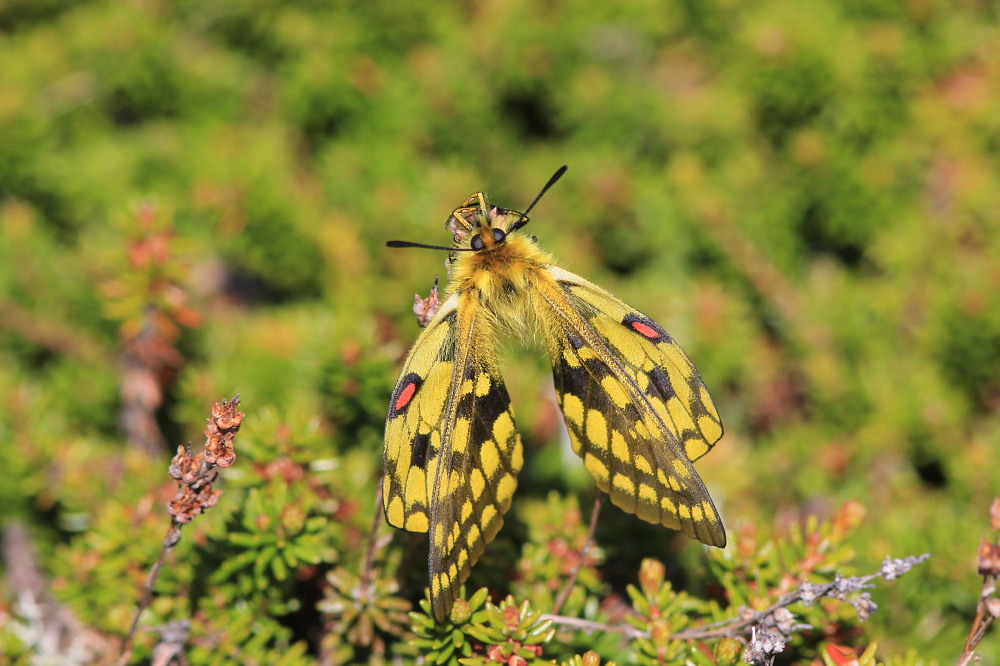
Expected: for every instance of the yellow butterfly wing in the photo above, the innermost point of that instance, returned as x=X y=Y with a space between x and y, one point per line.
x=636 y=408
x=452 y=452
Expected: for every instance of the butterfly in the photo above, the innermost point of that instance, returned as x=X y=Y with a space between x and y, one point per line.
x=636 y=409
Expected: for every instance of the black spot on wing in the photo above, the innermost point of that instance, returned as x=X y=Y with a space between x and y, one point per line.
x=583 y=381
x=418 y=453
x=569 y=378
x=485 y=410
x=661 y=384
x=697 y=407
x=689 y=433
x=575 y=340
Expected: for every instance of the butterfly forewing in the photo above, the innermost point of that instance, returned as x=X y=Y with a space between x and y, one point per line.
x=654 y=359
x=413 y=425
x=452 y=451
x=636 y=409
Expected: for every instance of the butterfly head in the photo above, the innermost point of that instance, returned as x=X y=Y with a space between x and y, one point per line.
x=476 y=226
x=479 y=226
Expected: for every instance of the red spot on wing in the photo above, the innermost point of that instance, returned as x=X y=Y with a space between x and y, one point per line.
x=405 y=396
x=402 y=395
x=644 y=329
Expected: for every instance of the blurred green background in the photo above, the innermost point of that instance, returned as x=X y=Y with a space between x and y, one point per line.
x=194 y=200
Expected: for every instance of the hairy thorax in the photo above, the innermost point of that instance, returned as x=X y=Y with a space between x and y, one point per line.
x=501 y=279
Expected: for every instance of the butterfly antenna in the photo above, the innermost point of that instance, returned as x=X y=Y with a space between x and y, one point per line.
x=523 y=220
x=398 y=243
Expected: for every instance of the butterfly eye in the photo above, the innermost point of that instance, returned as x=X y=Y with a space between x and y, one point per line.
x=499 y=235
x=477 y=243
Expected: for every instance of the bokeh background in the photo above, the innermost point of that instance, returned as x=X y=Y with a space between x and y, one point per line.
x=194 y=201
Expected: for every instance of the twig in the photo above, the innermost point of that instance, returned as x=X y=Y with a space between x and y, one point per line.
x=564 y=593
x=195 y=476
x=52 y=334
x=988 y=606
x=368 y=567
x=808 y=594
x=148 y=361
x=169 y=541
x=591 y=626
x=173 y=636
x=52 y=630
x=773 y=625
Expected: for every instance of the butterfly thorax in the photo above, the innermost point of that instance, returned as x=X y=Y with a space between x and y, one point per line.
x=494 y=268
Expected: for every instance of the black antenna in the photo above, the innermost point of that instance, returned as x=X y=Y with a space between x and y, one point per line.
x=426 y=247
x=523 y=220
x=524 y=216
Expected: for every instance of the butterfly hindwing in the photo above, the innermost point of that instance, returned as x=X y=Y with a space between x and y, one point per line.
x=452 y=452
x=635 y=407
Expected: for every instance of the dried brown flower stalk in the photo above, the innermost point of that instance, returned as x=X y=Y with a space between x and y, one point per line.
x=195 y=476
x=988 y=606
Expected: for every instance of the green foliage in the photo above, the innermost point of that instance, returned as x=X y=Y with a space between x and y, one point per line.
x=275 y=538
x=479 y=632
x=245 y=634
x=194 y=200
x=449 y=642
x=663 y=612
x=797 y=585
x=367 y=612
x=553 y=552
